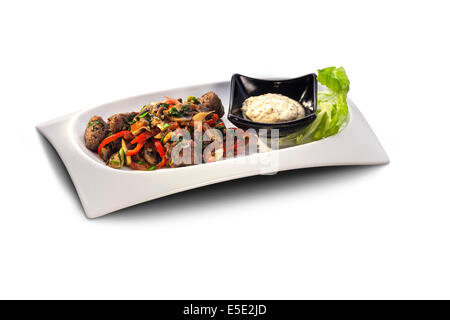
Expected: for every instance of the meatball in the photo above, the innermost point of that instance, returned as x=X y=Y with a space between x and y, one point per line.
x=212 y=101
x=95 y=132
x=119 y=122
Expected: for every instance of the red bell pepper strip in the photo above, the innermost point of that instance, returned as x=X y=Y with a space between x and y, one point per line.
x=171 y=101
x=159 y=148
x=162 y=154
x=111 y=139
x=211 y=122
x=162 y=163
x=219 y=125
x=142 y=137
x=135 y=150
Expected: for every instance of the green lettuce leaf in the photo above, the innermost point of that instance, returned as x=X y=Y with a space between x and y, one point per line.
x=332 y=109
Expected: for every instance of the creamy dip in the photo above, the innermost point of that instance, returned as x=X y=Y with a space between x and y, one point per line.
x=272 y=107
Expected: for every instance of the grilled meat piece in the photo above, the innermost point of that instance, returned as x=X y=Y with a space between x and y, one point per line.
x=95 y=132
x=119 y=122
x=212 y=101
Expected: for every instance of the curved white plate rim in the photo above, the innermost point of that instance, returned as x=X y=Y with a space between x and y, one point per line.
x=95 y=183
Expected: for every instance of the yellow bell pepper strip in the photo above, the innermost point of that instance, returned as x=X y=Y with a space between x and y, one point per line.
x=111 y=139
x=193 y=100
x=167 y=137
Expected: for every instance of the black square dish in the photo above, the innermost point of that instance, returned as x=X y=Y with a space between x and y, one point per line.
x=302 y=89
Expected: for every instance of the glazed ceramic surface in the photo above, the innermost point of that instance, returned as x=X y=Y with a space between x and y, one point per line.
x=302 y=89
x=97 y=184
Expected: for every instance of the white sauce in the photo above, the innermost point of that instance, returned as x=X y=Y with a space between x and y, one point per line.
x=272 y=107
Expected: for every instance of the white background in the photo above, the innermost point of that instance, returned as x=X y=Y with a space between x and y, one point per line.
x=368 y=232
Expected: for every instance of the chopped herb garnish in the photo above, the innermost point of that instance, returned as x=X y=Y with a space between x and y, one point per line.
x=131 y=119
x=193 y=99
x=165 y=125
x=95 y=122
x=140 y=162
x=151 y=168
x=143 y=115
x=173 y=112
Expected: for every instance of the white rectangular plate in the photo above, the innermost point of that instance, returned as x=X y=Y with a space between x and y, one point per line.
x=103 y=190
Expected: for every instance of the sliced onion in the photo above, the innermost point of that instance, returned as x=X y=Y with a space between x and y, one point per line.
x=201 y=116
x=179 y=119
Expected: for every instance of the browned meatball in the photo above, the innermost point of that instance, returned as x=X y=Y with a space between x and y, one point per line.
x=119 y=122
x=95 y=132
x=212 y=101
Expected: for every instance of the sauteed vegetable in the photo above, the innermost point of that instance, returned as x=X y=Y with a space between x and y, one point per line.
x=144 y=140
